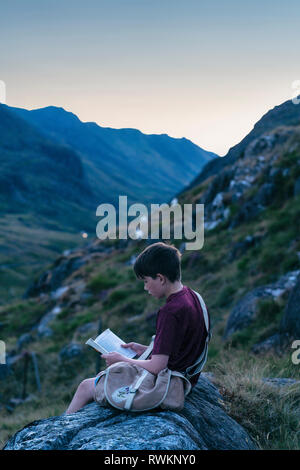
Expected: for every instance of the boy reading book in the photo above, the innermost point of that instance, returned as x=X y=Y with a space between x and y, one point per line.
x=180 y=327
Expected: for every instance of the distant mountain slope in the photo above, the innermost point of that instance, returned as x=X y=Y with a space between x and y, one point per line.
x=286 y=114
x=147 y=168
x=55 y=171
x=35 y=175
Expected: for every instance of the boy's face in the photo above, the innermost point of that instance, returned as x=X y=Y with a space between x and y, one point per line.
x=155 y=287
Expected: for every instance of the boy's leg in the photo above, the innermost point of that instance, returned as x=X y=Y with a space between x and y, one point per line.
x=83 y=395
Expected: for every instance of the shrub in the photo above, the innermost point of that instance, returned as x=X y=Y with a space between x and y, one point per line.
x=100 y=282
x=225 y=296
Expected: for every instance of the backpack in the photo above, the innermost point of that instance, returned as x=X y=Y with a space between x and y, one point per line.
x=129 y=387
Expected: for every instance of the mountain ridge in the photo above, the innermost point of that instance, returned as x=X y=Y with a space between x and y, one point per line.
x=124 y=152
x=286 y=113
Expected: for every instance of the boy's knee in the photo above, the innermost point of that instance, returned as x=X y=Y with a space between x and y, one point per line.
x=85 y=385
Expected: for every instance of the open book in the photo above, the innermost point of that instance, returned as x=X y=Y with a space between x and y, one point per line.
x=109 y=342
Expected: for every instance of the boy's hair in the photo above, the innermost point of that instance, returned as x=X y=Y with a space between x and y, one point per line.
x=159 y=258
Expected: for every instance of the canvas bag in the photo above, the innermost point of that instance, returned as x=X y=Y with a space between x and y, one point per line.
x=130 y=387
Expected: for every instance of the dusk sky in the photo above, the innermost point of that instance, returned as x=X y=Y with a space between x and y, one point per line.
x=204 y=70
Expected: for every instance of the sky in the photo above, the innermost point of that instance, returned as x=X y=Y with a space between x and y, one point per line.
x=203 y=70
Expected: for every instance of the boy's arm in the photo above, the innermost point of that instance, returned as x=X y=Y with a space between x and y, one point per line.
x=154 y=365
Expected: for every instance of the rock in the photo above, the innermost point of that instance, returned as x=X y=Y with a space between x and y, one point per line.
x=24 y=339
x=219 y=184
x=245 y=310
x=275 y=343
x=290 y=322
x=239 y=248
x=248 y=211
x=297 y=187
x=251 y=208
x=52 y=279
x=182 y=247
x=43 y=330
x=131 y=261
x=70 y=351
x=280 y=382
x=218 y=200
x=261 y=144
x=59 y=292
x=202 y=425
x=83 y=329
x=211 y=225
x=265 y=194
x=4 y=371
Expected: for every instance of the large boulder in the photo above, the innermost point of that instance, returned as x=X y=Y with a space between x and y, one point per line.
x=202 y=425
x=244 y=312
x=290 y=322
x=52 y=279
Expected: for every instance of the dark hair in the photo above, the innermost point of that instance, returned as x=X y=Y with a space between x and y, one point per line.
x=159 y=258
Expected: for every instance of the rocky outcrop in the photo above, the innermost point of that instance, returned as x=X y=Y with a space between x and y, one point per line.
x=245 y=310
x=280 y=381
x=286 y=114
x=276 y=343
x=52 y=279
x=240 y=192
x=289 y=327
x=291 y=319
x=202 y=425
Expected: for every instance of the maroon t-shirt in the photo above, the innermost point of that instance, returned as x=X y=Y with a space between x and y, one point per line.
x=180 y=331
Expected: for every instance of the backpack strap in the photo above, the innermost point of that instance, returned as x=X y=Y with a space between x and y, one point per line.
x=199 y=364
x=134 y=389
x=188 y=387
x=148 y=351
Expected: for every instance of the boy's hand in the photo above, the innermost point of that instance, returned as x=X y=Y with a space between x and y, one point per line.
x=113 y=357
x=138 y=348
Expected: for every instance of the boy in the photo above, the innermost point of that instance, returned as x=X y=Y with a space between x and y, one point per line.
x=180 y=327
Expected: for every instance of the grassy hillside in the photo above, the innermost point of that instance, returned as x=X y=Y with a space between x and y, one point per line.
x=26 y=244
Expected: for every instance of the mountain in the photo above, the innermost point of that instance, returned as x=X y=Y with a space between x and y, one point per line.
x=146 y=168
x=287 y=114
x=55 y=171
x=35 y=175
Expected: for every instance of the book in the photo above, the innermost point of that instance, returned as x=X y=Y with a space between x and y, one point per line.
x=108 y=342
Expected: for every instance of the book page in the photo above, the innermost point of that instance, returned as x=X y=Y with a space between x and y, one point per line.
x=112 y=343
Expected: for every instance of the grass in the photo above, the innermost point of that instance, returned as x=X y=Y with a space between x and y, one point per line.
x=27 y=246
x=38 y=408
x=271 y=415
